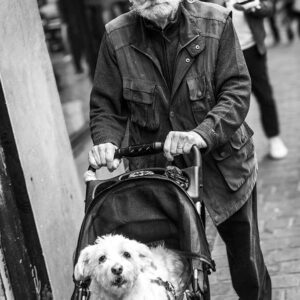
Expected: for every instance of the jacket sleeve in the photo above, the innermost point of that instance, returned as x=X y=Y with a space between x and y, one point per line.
x=232 y=86
x=108 y=113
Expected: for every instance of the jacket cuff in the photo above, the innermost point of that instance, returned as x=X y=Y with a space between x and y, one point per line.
x=208 y=134
x=103 y=140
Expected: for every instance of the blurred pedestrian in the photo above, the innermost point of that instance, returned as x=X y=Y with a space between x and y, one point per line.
x=248 y=21
x=73 y=38
x=273 y=23
x=291 y=12
x=97 y=13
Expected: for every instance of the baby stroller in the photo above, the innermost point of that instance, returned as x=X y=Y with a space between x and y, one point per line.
x=151 y=206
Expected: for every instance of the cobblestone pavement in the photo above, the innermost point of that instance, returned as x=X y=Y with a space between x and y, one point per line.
x=278 y=187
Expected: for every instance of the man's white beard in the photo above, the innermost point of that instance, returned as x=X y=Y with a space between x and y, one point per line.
x=155 y=10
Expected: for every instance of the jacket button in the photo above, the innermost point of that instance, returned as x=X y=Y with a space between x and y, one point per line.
x=223 y=154
x=197 y=47
x=199 y=94
x=172 y=114
x=187 y=60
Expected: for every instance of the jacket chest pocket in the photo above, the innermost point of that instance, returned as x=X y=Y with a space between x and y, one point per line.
x=141 y=98
x=198 y=97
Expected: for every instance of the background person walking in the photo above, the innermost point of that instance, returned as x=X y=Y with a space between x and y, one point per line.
x=248 y=22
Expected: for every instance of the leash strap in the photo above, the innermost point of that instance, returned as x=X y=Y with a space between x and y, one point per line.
x=166 y=284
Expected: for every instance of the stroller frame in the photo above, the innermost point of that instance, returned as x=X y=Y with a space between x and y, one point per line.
x=201 y=264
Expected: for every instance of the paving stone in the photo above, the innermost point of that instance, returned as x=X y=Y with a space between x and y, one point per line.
x=279 y=294
x=295 y=232
x=273 y=268
x=279 y=243
x=286 y=281
x=290 y=254
x=223 y=274
x=279 y=223
x=295 y=242
x=293 y=294
x=222 y=297
x=290 y=267
x=221 y=261
x=222 y=288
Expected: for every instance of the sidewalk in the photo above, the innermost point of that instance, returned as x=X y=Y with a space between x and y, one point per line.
x=278 y=187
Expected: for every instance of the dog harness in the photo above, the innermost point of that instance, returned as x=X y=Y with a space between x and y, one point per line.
x=167 y=285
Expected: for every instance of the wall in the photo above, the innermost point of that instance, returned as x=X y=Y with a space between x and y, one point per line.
x=43 y=145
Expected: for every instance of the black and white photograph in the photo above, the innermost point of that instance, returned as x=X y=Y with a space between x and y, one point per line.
x=149 y=149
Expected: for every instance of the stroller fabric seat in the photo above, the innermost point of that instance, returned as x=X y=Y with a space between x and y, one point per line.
x=151 y=209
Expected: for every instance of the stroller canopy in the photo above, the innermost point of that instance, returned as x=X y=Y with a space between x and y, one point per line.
x=149 y=209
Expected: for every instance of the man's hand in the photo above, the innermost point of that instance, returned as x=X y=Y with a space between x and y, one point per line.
x=180 y=142
x=251 y=6
x=103 y=155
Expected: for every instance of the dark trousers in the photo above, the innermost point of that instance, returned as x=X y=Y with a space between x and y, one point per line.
x=249 y=274
x=262 y=90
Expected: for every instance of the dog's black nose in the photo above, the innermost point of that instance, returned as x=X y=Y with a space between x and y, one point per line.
x=117 y=269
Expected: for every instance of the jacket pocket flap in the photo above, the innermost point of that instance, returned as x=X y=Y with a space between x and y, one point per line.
x=241 y=137
x=138 y=90
x=196 y=88
x=222 y=152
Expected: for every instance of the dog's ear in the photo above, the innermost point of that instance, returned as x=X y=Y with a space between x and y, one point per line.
x=145 y=256
x=82 y=270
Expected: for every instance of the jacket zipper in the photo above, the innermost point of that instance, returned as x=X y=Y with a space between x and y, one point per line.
x=166 y=63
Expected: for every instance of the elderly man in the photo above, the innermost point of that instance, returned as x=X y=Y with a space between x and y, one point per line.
x=174 y=71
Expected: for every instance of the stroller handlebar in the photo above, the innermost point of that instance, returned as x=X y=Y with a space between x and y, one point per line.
x=147 y=149
x=139 y=150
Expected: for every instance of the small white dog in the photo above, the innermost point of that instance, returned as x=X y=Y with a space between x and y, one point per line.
x=124 y=269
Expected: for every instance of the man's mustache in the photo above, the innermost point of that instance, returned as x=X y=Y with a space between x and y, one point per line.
x=149 y=2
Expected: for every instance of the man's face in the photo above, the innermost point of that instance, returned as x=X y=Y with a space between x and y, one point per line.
x=155 y=10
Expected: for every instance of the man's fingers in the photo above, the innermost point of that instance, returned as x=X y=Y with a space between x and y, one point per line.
x=167 y=147
x=94 y=158
x=181 y=142
x=115 y=164
x=187 y=148
x=103 y=155
x=92 y=161
x=96 y=155
x=109 y=155
x=174 y=143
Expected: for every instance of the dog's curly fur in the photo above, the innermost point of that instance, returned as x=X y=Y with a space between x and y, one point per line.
x=124 y=269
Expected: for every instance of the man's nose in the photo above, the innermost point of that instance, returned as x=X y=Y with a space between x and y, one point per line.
x=117 y=269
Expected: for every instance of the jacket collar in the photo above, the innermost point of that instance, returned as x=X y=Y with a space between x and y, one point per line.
x=189 y=32
x=191 y=44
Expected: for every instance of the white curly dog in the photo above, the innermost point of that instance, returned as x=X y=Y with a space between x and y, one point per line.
x=124 y=269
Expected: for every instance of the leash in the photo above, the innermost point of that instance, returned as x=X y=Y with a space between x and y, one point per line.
x=167 y=285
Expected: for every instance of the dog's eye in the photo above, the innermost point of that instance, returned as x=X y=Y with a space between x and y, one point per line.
x=126 y=254
x=102 y=259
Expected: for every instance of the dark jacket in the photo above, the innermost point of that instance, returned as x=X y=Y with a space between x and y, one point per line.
x=256 y=21
x=210 y=95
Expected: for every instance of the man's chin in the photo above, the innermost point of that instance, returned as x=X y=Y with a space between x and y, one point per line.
x=157 y=12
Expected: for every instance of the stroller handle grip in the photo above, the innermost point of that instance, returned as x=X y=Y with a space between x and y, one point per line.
x=148 y=149
x=139 y=150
